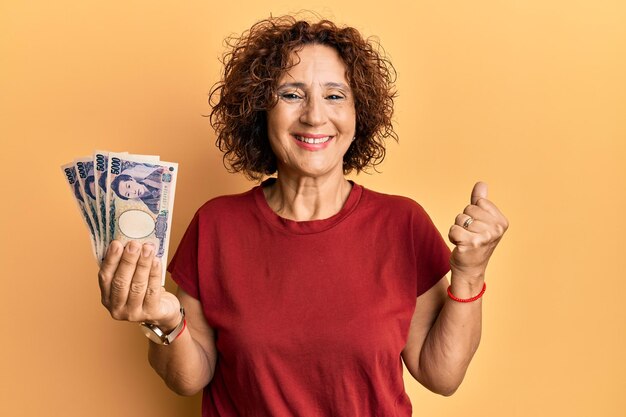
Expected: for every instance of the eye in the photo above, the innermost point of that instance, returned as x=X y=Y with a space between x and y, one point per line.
x=290 y=96
x=335 y=97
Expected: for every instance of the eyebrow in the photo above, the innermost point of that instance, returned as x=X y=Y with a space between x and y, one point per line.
x=302 y=85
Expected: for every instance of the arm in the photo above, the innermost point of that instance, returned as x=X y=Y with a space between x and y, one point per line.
x=444 y=334
x=187 y=365
x=443 y=338
x=130 y=285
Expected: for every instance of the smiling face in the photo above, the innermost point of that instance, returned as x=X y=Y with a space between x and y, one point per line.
x=312 y=125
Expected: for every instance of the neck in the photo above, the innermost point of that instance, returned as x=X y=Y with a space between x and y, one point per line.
x=306 y=198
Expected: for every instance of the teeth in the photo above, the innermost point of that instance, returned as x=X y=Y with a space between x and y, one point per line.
x=312 y=140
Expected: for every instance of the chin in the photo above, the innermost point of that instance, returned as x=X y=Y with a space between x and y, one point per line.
x=316 y=171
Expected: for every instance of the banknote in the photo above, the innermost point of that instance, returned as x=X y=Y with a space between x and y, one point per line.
x=101 y=165
x=85 y=171
x=125 y=197
x=71 y=177
x=140 y=200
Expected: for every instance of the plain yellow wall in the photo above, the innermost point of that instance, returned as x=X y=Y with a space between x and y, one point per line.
x=529 y=96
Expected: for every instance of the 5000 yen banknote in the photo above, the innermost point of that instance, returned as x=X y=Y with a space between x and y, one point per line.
x=85 y=171
x=140 y=200
x=100 y=165
x=71 y=177
x=101 y=168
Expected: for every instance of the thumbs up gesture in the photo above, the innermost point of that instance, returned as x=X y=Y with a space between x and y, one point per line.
x=476 y=233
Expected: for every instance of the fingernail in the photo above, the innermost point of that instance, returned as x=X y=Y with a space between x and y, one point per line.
x=114 y=248
x=132 y=248
x=147 y=250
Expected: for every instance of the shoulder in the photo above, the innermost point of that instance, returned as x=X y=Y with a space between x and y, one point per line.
x=395 y=211
x=394 y=204
x=227 y=205
x=222 y=213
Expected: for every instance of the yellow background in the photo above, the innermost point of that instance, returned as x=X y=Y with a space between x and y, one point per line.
x=529 y=96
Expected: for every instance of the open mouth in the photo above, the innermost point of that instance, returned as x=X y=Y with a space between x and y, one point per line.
x=313 y=141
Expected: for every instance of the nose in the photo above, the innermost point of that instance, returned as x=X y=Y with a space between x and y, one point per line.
x=313 y=111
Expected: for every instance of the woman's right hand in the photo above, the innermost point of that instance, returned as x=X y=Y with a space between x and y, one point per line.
x=130 y=285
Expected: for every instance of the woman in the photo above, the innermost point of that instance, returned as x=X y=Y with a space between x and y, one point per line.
x=304 y=295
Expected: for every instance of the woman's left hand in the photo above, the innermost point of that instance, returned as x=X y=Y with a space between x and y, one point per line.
x=476 y=233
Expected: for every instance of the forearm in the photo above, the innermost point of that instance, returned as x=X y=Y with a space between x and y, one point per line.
x=453 y=338
x=130 y=285
x=184 y=365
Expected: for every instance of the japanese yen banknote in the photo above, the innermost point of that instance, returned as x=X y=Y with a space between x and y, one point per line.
x=124 y=197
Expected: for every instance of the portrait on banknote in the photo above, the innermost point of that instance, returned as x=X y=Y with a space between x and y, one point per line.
x=140 y=182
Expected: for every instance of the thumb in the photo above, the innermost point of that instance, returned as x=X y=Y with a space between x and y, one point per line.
x=479 y=191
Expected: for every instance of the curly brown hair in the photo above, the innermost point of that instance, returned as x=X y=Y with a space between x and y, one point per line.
x=255 y=62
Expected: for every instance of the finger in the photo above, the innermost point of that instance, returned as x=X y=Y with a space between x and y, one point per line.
x=488 y=206
x=458 y=235
x=470 y=223
x=479 y=191
x=139 y=283
x=122 y=279
x=152 y=300
x=464 y=220
x=107 y=269
x=470 y=215
x=477 y=212
x=465 y=239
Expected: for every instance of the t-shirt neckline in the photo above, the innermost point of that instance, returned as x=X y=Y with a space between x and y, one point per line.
x=308 y=226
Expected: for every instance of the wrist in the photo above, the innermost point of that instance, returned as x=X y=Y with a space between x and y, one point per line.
x=161 y=335
x=467 y=300
x=466 y=286
x=169 y=323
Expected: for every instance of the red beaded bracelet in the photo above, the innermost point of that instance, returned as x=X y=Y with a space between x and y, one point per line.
x=467 y=300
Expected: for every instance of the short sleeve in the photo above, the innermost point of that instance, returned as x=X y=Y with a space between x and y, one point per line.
x=184 y=265
x=431 y=252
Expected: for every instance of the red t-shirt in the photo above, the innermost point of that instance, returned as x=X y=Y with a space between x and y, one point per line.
x=310 y=317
